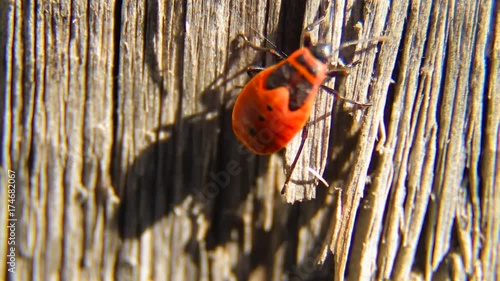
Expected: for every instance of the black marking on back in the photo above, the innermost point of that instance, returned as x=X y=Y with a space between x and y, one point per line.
x=252 y=131
x=288 y=76
x=310 y=68
x=280 y=76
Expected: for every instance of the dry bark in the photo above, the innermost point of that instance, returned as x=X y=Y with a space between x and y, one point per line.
x=116 y=122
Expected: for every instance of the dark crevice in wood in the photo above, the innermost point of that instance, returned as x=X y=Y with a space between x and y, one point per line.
x=115 y=72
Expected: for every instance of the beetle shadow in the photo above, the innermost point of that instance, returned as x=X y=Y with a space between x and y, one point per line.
x=185 y=167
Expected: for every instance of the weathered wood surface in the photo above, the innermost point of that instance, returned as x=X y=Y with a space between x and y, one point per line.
x=117 y=125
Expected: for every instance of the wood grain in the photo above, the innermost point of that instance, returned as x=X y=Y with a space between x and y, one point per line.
x=116 y=119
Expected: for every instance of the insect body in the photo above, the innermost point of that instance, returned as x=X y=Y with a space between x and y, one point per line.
x=277 y=102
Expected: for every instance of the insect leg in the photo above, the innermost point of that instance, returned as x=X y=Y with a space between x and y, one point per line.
x=341 y=70
x=263 y=49
x=339 y=96
x=360 y=41
x=294 y=163
x=253 y=70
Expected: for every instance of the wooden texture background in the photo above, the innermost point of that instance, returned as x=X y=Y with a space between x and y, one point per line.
x=116 y=122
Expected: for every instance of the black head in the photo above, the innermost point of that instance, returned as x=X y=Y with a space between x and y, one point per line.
x=321 y=51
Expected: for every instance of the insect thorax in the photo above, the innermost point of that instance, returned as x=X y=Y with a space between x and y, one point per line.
x=298 y=75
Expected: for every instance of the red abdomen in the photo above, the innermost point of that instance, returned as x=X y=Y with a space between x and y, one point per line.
x=277 y=102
